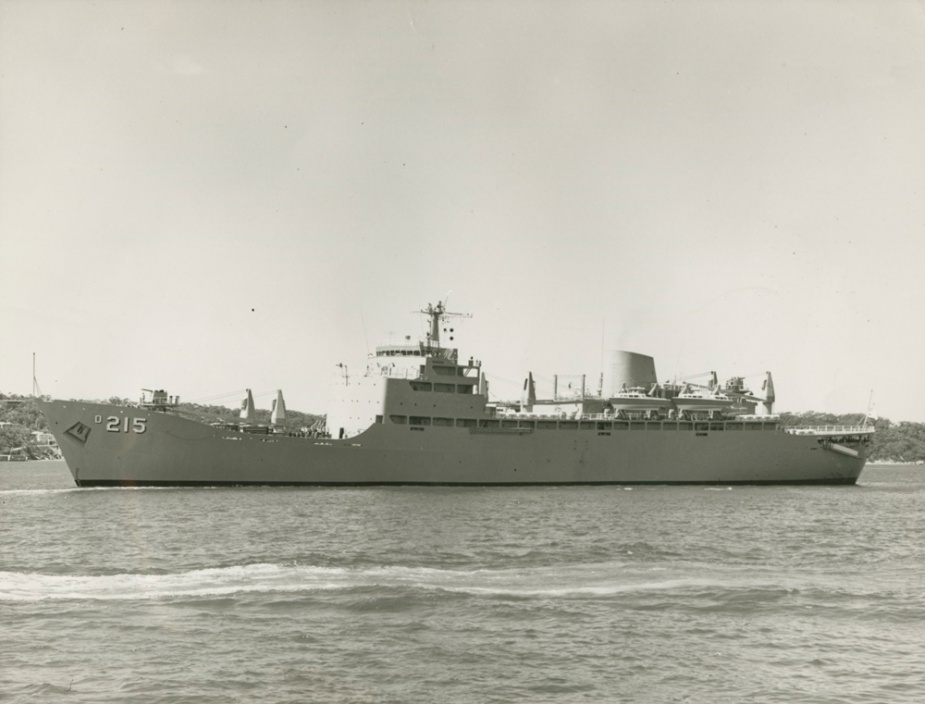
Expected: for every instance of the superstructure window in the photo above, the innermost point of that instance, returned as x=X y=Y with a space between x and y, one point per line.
x=419 y=420
x=399 y=420
x=466 y=423
x=444 y=422
x=445 y=388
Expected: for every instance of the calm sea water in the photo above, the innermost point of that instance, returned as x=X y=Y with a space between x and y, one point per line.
x=661 y=594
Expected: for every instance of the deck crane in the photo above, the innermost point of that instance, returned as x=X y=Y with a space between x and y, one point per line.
x=735 y=388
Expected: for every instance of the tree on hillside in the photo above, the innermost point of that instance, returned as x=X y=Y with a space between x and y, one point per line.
x=21 y=410
x=13 y=437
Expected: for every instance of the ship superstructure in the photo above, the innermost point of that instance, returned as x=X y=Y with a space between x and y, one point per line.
x=417 y=414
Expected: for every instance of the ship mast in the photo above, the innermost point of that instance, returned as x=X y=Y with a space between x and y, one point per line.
x=436 y=314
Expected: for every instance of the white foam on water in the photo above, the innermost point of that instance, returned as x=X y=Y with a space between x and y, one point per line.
x=578 y=580
x=26 y=492
x=223 y=581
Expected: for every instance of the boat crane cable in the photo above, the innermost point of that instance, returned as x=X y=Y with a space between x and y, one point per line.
x=504 y=380
x=688 y=377
x=216 y=397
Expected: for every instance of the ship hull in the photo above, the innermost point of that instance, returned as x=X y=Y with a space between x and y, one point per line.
x=108 y=445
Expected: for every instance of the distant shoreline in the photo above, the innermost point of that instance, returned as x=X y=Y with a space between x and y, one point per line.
x=3 y=460
x=891 y=462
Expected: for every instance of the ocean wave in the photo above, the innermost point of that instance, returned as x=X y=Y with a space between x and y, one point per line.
x=589 y=580
x=598 y=579
x=582 y=580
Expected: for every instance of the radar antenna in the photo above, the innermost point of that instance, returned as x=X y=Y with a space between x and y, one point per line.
x=436 y=313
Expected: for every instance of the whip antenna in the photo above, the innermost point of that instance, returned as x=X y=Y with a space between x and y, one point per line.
x=870 y=407
x=35 y=382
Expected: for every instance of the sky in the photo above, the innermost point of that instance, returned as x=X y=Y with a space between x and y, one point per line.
x=208 y=196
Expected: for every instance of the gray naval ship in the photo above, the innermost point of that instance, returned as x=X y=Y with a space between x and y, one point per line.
x=418 y=415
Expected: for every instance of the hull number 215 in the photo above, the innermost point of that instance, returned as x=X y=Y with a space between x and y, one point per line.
x=115 y=424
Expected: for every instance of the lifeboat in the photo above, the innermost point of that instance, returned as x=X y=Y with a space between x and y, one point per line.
x=636 y=400
x=696 y=401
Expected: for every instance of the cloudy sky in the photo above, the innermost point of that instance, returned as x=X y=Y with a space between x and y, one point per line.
x=211 y=195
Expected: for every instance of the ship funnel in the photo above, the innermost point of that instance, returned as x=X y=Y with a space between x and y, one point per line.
x=528 y=398
x=769 y=397
x=631 y=369
x=247 y=408
x=278 y=414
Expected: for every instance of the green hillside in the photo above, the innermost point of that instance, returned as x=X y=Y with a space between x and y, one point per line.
x=19 y=416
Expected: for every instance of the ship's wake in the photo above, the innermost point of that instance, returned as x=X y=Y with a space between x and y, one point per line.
x=595 y=580
x=590 y=580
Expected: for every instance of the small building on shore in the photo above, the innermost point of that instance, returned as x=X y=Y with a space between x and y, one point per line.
x=43 y=437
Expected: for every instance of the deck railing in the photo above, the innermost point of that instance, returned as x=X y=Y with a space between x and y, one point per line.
x=831 y=430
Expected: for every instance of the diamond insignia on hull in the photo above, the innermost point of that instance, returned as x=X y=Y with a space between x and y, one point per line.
x=79 y=432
